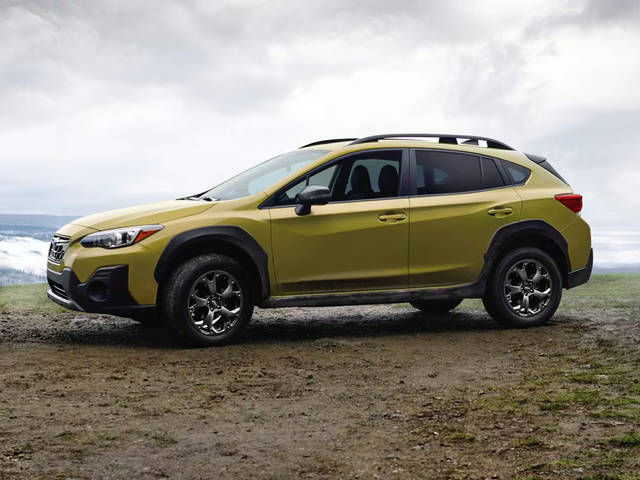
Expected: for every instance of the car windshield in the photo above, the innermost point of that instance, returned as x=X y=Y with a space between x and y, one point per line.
x=262 y=176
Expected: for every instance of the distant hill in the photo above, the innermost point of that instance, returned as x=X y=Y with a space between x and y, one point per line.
x=24 y=241
x=41 y=227
x=630 y=268
x=10 y=276
x=49 y=221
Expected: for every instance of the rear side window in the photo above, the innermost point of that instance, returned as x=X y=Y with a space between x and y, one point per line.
x=517 y=173
x=490 y=174
x=444 y=172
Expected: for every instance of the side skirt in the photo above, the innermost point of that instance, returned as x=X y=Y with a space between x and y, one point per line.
x=472 y=290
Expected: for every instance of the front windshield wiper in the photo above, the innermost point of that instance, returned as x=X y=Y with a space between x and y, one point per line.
x=199 y=197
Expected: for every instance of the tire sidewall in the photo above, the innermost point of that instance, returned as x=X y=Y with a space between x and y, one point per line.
x=179 y=289
x=504 y=311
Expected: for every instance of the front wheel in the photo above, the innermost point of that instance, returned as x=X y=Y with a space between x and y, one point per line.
x=208 y=300
x=524 y=289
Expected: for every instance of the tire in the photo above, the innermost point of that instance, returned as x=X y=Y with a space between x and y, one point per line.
x=524 y=273
x=436 y=306
x=207 y=300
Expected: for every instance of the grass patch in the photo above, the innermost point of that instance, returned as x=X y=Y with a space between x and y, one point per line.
x=586 y=377
x=569 y=462
x=626 y=440
x=611 y=476
x=462 y=437
x=163 y=439
x=532 y=442
x=626 y=413
x=27 y=298
x=613 y=459
x=617 y=290
x=588 y=398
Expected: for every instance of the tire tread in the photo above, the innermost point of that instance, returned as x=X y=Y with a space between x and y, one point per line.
x=173 y=289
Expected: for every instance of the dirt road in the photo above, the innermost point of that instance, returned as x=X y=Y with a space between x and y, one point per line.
x=357 y=392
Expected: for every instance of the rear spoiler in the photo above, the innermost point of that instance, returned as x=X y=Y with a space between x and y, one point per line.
x=544 y=163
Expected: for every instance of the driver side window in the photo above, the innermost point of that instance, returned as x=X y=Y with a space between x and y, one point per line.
x=363 y=176
x=322 y=178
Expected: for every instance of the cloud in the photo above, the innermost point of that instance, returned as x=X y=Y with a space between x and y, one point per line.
x=104 y=104
x=589 y=14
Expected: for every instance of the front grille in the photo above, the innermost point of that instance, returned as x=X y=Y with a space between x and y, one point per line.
x=58 y=289
x=57 y=249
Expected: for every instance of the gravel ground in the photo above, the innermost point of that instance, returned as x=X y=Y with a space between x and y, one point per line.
x=342 y=392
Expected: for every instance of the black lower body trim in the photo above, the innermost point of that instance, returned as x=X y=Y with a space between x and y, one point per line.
x=106 y=291
x=582 y=275
x=474 y=290
x=62 y=300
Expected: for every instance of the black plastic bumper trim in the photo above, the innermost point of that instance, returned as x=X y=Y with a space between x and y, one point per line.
x=118 y=301
x=582 y=275
x=63 y=302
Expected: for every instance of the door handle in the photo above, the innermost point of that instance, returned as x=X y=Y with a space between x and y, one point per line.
x=388 y=217
x=500 y=212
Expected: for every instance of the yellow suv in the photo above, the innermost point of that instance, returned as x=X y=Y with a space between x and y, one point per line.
x=428 y=219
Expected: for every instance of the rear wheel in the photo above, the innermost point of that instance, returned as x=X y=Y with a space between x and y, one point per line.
x=436 y=306
x=524 y=289
x=208 y=300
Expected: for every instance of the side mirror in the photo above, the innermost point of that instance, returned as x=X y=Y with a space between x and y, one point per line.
x=311 y=195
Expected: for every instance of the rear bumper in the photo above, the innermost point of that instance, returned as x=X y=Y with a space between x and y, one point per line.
x=106 y=291
x=582 y=275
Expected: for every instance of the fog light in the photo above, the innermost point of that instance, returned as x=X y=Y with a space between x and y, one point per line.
x=98 y=291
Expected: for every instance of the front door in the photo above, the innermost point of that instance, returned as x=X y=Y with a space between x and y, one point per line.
x=358 y=241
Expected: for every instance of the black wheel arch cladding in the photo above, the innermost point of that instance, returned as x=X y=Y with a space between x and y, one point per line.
x=211 y=239
x=518 y=234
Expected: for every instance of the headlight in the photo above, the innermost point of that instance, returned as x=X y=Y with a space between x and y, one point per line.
x=119 y=237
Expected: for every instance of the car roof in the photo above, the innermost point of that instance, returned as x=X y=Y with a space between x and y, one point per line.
x=430 y=141
x=441 y=138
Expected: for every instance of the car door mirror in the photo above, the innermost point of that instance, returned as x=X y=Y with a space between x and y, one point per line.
x=311 y=195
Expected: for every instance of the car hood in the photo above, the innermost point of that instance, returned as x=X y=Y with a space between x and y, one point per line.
x=147 y=214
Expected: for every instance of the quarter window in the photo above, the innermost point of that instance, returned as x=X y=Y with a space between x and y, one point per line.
x=518 y=173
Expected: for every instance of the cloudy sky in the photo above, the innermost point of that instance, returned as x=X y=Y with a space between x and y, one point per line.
x=106 y=104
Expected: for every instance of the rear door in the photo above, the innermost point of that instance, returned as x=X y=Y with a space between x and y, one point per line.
x=358 y=241
x=458 y=202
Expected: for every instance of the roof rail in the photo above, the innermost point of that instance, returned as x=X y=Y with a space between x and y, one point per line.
x=331 y=140
x=442 y=138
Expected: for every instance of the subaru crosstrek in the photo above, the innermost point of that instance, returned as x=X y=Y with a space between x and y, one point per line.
x=428 y=219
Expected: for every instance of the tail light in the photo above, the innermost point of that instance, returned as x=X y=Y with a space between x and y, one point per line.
x=572 y=201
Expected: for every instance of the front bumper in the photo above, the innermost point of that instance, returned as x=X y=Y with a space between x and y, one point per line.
x=106 y=291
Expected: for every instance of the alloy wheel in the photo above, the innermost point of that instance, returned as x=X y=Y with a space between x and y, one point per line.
x=528 y=287
x=215 y=302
